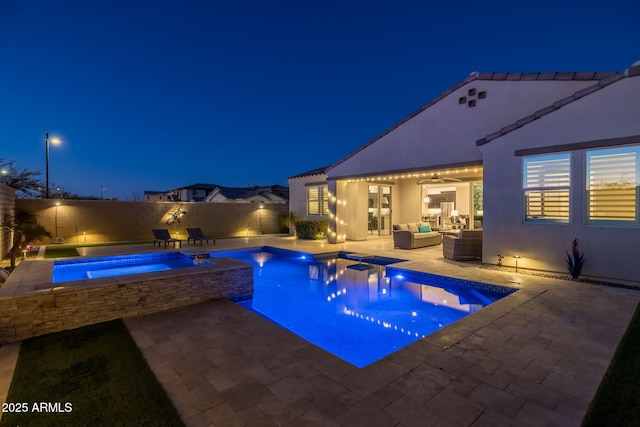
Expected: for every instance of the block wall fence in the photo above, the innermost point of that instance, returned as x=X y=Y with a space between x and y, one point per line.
x=91 y=221
x=7 y=204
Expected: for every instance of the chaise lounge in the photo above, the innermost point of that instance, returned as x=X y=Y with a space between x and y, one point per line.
x=163 y=236
x=414 y=235
x=196 y=234
x=466 y=246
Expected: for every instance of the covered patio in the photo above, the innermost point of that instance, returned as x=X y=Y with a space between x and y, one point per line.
x=366 y=206
x=533 y=358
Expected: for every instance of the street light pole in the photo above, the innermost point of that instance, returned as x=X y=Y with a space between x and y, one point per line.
x=46 y=143
x=46 y=139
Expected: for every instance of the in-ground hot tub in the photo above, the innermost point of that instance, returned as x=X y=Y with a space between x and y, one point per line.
x=122 y=265
x=36 y=300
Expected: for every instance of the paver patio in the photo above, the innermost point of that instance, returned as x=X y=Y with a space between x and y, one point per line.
x=533 y=358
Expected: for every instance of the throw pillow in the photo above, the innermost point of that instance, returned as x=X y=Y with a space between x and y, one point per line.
x=424 y=229
x=413 y=227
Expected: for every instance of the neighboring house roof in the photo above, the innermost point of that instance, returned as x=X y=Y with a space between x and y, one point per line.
x=318 y=171
x=274 y=193
x=634 y=70
x=559 y=76
x=268 y=193
x=198 y=187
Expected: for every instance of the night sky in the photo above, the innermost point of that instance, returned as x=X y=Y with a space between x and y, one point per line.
x=155 y=95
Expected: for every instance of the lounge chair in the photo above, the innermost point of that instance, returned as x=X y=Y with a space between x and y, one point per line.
x=196 y=234
x=163 y=236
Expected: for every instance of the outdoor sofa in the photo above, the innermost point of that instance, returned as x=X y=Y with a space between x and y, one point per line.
x=465 y=246
x=410 y=236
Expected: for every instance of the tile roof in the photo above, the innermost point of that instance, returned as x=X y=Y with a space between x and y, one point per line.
x=604 y=80
x=270 y=192
x=317 y=171
x=561 y=76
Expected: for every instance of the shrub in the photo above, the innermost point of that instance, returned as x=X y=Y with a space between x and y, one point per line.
x=311 y=230
x=282 y=226
x=287 y=223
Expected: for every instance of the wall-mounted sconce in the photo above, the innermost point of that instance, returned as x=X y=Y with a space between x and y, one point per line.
x=499 y=264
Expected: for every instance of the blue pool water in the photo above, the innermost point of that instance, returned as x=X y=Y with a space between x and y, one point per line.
x=93 y=268
x=359 y=313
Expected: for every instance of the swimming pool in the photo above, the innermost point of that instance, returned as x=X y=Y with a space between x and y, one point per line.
x=95 y=268
x=357 y=311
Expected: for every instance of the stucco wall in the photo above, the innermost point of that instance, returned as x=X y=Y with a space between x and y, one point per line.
x=7 y=204
x=610 y=252
x=446 y=132
x=108 y=220
x=298 y=195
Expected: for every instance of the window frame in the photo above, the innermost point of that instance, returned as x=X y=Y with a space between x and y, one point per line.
x=613 y=223
x=322 y=199
x=548 y=189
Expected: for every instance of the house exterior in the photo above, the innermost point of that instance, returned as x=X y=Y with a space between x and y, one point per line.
x=571 y=171
x=463 y=156
x=214 y=193
x=255 y=194
x=190 y=193
x=309 y=194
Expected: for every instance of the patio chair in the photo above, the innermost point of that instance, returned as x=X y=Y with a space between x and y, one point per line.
x=196 y=234
x=466 y=246
x=163 y=236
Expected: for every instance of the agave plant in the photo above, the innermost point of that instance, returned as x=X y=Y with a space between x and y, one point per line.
x=575 y=260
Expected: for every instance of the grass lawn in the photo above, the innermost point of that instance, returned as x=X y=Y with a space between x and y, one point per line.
x=60 y=252
x=91 y=376
x=617 y=401
x=70 y=250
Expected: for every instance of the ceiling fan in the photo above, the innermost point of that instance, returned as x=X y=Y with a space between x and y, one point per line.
x=437 y=179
